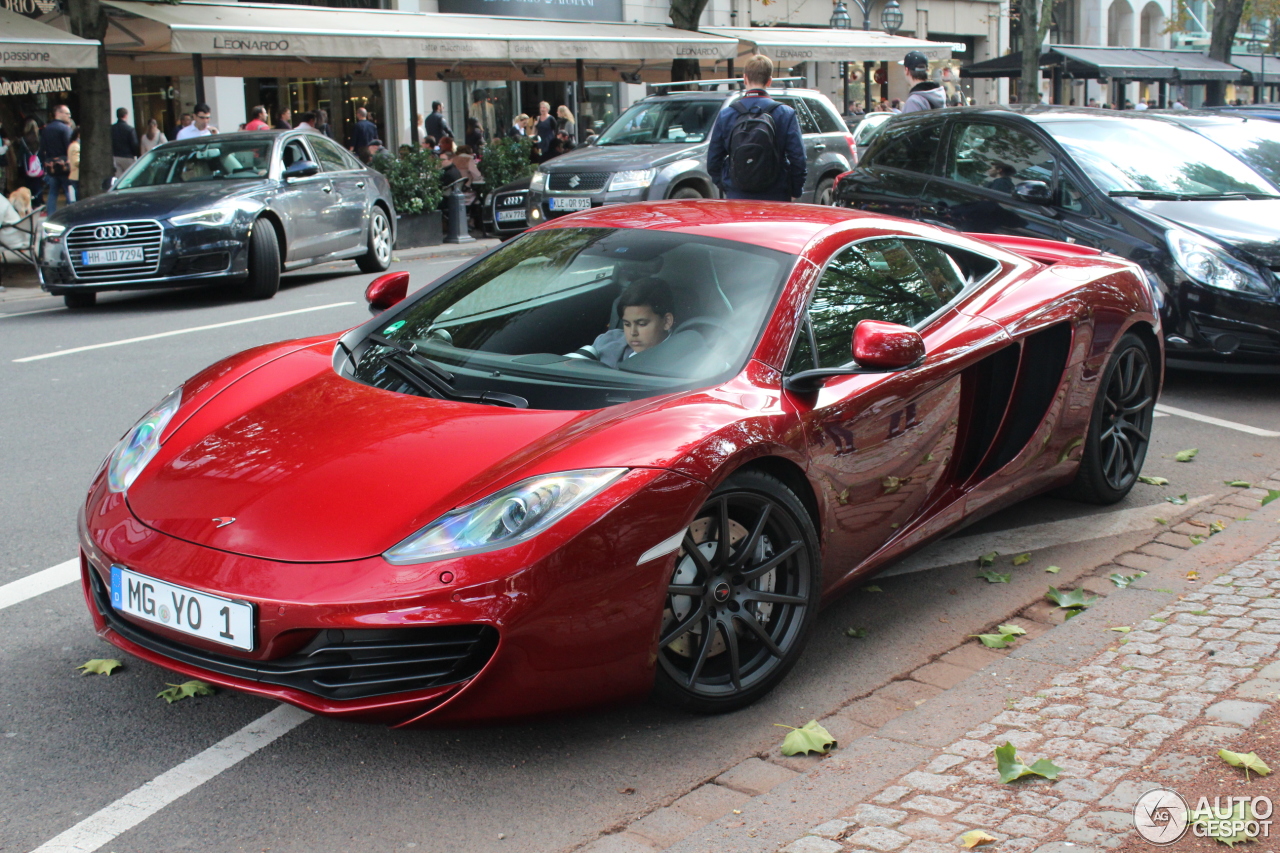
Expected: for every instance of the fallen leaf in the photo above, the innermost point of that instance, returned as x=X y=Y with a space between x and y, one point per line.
x=995 y=641
x=1153 y=481
x=626 y=790
x=974 y=837
x=1178 y=500
x=810 y=737
x=928 y=457
x=1123 y=581
x=1070 y=599
x=1247 y=760
x=1121 y=629
x=988 y=559
x=995 y=577
x=1022 y=559
x=1193 y=575
x=1016 y=630
x=99 y=666
x=1196 y=540
x=1066 y=451
x=1010 y=767
x=176 y=692
x=843 y=497
x=856 y=633
x=1160 y=520
x=1239 y=484
x=891 y=484
x=1053 y=570
x=1198 y=612
x=1272 y=494
x=1217 y=527
x=872 y=588
x=1159 y=619
x=1186 y=455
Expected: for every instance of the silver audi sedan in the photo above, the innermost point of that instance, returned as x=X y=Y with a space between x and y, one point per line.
x=235 y=207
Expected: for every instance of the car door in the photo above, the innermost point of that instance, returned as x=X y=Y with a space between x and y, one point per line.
x=346 y=215
x=303 y=203
x=813 y=142
x=996 y=178
x=883 y=442
x=834 y=153
x=897 y=168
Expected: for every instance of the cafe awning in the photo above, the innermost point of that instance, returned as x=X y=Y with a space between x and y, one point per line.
x=28 y=45
x=1258 y=68
x=270 y=30
x=1115 y=63
x=793 y=45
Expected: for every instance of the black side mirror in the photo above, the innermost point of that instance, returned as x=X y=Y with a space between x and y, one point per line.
x=1033 y=192
x=300 y=169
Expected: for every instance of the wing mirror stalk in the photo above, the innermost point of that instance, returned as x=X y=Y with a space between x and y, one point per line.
x=301 y=169
x=878 y=347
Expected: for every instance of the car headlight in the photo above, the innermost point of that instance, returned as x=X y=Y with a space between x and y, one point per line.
x=504 y=518
x=141 y=443
x=1206 y=262
x=538 y=181
x=632 y=179
x=213 y=216
x=52 y=229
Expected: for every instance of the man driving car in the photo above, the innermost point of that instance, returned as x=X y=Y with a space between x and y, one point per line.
x=646 y=307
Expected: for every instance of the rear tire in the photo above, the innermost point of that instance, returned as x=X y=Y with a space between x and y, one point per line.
x=378 y=257
x=825 y=193
x=736 y=619
x=1120 y=429
x=686 y=192
x=80 y=299
x=264 y=262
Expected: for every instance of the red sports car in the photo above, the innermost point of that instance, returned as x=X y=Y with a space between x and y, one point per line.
x=630 y=452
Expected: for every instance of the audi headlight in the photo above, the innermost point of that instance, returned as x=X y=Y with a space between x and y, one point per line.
x=141 y=443
x=513 y=515
x=52 y=229
x=632 y=179
x=1206 y=262
x=220 y=215
x=538 y=182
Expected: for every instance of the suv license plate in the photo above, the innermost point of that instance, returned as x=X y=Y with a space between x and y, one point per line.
x=209 y=617
x=126 y=255
x=511 y=216
x=570 y=204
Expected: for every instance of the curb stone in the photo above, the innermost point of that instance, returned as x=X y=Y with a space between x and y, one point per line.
x=938 y=755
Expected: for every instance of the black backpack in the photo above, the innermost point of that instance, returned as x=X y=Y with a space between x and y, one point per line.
x=753 y=148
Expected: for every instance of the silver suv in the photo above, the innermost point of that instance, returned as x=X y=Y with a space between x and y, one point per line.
x=658 y=149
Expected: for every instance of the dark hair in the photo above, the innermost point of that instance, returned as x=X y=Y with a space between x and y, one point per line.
x=257 y=111
x=463 y=149
x=121 y=112
x=920 y=74
x=202 y=108
x=429 y=141
x=309 y=117
x=648 y=292
x=435 y=105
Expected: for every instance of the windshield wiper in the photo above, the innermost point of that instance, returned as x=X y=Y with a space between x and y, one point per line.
x=1149 y=194
x=1159 y=195
x=433 y=380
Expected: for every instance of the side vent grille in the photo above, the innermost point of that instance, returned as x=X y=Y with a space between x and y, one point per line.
x=1044 y=358
x=988 y=386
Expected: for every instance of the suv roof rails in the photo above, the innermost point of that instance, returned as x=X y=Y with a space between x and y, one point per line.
x=730 y=82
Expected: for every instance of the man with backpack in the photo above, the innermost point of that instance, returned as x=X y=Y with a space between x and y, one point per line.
x=756 y=150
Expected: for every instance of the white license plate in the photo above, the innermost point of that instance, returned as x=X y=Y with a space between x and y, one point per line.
x=199 y=614
x=124 y=255
x=511 y=216
x=570 y=204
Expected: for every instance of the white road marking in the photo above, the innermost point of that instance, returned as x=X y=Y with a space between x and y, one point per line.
x=16 y=592
x=179 y=332
x=133 y=808
x=37 y=311
x=1159 y=414
x=1161 y=408
x=1034 y=537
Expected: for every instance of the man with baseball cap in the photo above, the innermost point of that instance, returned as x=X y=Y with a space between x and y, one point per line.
x=925 y=93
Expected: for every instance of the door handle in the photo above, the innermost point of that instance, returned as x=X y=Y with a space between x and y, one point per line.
x=360 y=185
x=328 y=188
x=820 y=147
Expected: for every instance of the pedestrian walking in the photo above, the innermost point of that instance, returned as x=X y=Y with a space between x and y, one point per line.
x=567 y=122
x=73 y=162
x=421 y=127
x=546 y=126
x=925 y=94
x=282 y=122
x=257 y=119
x=756 y=150
x=363 y=133
x=55 y=139
x=151 y=138
x=183 y=121
x=124 y=142
x=199 y=127
x=30 y=169
x=436 y=124
x=307 y=121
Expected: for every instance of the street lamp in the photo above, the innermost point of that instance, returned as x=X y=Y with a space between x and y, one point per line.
x=840 y=19
x=891 y=17
x=1260 y=31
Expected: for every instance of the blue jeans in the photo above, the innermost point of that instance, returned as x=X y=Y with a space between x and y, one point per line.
x=52 y=184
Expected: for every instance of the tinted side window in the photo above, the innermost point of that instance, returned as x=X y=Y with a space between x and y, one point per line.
x=997 y=157
x=874 y=280
x=330 y=155
x=939 y=269
x=827 y=123
x=912 y=148
x=807 y=124
x=294 y=152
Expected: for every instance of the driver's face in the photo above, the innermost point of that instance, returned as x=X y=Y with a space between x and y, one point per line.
x=643 y=328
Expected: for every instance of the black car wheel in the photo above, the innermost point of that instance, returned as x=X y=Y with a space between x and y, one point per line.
x=742 y=600
x=825 y=193
x=378 y=257
x=1120 y=429
x=80 y=299
x=264 y=262
x=686 y=192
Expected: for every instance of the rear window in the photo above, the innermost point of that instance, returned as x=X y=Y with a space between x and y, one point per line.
x=827 y=121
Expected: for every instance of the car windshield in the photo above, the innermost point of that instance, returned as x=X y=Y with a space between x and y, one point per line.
x=549 y=318
x=661 y=120
x=1256 y=142
x=1123 y=156
x=213 y=158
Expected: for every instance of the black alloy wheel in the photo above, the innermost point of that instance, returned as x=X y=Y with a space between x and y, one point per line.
x=264 y=262
x=79 y=298
x=1120 y=430
x=742 y=600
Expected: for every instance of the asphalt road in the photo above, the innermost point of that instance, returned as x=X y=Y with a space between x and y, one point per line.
x=73 y=746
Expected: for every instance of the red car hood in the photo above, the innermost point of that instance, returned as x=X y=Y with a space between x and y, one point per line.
x=314 y=467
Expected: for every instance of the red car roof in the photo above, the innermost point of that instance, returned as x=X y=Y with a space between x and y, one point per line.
x=777 y=225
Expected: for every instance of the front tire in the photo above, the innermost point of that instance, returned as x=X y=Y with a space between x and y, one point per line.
x=378 y=258
x=77 y=299
x=743 y=598
x=264 y=262
x=686 y=192
x=825 y=193
x=1120 y=429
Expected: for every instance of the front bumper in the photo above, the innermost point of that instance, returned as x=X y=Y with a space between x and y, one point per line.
x=1210 y=327
x=566 y=620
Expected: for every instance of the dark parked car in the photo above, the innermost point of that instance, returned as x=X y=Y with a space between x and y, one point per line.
x=657 y=149
x=505 y=213
x=1199 y=220
x=240 y=207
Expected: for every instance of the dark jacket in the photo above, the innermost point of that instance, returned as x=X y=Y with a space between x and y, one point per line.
x=54 y=139
x=437 y=126
x=546 y=129
x=363 y=133
x=926 y=95
x=790 y=181
x=124 y=142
